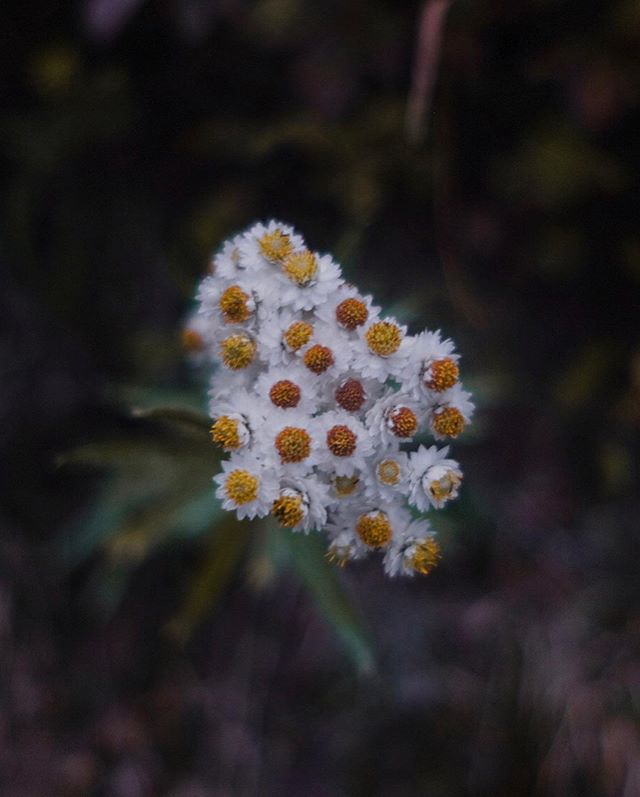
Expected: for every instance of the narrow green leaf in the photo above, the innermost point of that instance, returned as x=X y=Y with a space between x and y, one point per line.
x=226 y=547
x=180 y=415
x=306 y=554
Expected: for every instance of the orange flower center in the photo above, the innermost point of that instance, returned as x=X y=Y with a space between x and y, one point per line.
x=293 y=444
x=351 y=313
x=403 y=422
x=318 y=358
x=448 y=422
x=341 y=441
x=441 y=374
x=192 y=341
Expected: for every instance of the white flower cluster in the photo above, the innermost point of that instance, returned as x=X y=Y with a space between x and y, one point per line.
x=316 y=397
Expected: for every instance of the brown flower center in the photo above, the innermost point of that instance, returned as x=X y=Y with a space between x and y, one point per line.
x=285 y=394
x=350 y=395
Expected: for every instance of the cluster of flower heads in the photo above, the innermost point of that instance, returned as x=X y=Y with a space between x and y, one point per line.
x=316 y=397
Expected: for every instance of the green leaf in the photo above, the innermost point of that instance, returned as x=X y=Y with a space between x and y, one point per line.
x=160 y=484
x=306 y=555
x=220 y=561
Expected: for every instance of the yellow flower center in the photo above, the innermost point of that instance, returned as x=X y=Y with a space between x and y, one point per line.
x=384 y=338
x=288 y=509
x=276 y=245
x=224 y=432
x=448 y=422
x=426 y=556
x=403 y=422
x=350 y=395
x=297 y=335
x=237 y=351
x=351 y=313
x=345 y=485
x=285 y=394
x=318 y=358
x=301 y=267
x=339 y=554
x=234 y=304
x=192 y=341
x=441 y=489
x=441 y=374
x=374 y=529
x=241 y=487
x=388 y=472
x=341 y=441
x=293 y=444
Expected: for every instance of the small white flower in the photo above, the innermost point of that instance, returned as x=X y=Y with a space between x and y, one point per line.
x=327 y=354
x=266 y=246
x=236 y=420
x=344 y=443
x=289 y=440
x=382 y=349
x=395 y=418
x=229 y=304
x=301 y=504
x=450 y=413
x=433 y=479
x=348 y=309
x=246 y=486
x=353 y=393
x=284 y=333
x=225 y=264
x=429 y=348
x=288 y=387
x=413 y=550
x=305 y=280
x=387 y=475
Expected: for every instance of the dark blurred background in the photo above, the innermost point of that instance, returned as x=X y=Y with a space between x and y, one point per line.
x=475 y=166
